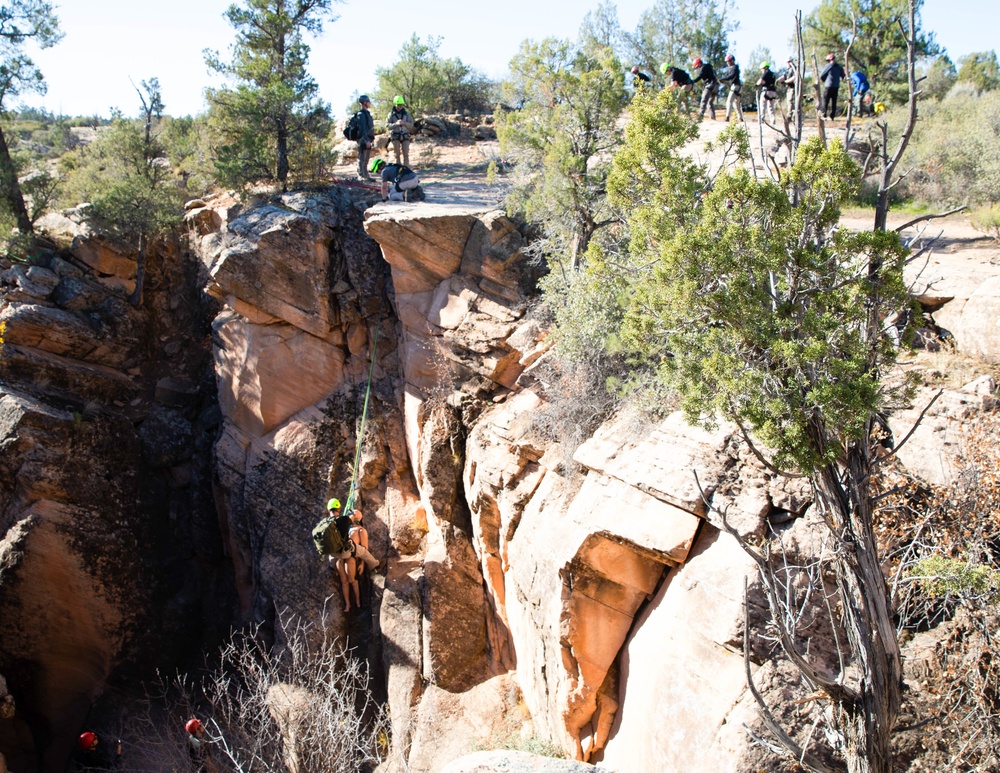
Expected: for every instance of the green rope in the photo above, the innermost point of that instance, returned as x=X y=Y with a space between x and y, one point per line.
x=349 y=507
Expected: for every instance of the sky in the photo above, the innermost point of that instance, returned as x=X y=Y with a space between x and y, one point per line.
x=109 y=45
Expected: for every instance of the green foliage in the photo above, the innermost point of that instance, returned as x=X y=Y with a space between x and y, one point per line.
x=940 y=577
x=981 y=69
x=600 y=29
x=273 y=116
x=186 y=143
x=879 y=49
x=561 y=140
x=987 y=220
x=753 y=308
x=22 y=22
x=955 y=149
x=430 y=83
x=128 y=182
x=938 y=74
x=676 y=31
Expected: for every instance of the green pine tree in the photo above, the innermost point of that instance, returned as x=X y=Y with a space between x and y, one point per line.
x=273 y=114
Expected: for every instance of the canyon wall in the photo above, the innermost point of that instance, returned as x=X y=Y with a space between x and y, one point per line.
x=588 y=597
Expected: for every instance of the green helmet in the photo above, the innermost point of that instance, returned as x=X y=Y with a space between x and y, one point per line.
x=664 y=68
x=333 y=504
x=764 y=65
x=376 y=165
x=399 y=100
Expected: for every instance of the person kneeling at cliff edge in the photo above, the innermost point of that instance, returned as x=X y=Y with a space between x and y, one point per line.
x=403 y=178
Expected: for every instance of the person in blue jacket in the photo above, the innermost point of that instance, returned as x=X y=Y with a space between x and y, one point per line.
x=860 y=89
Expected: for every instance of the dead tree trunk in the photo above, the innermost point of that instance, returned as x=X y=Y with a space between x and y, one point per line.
x=887 y=174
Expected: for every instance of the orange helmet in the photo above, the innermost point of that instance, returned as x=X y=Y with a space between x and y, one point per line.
x=86 y=741
x=192 y=726
x=697 y=62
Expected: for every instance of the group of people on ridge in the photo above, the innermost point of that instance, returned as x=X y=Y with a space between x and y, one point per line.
x=401 y=125
x=767 y=86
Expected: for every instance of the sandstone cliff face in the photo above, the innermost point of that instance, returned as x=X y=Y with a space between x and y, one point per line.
x=594 y=602
x=102 y=483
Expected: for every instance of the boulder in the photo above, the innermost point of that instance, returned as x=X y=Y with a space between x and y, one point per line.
x=278 y=260
x=447 y=724
x=933 y=449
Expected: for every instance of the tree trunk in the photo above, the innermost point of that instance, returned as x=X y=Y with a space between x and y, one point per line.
x=140 y=273
x=282 y=153
x=10 y=189
x=867 y=721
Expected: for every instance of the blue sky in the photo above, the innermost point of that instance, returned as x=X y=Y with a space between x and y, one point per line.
x=108 y=42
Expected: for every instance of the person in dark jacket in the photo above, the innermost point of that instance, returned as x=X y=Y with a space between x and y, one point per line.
x=640 y=79
x=767 y=96
x=705 y=73
x=830 y=77
x=199 y=747
x=367 y=137
x=678 y=80
x=730 y=74
x=93 y=753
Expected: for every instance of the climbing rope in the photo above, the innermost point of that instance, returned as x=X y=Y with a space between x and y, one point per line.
x=349 y=507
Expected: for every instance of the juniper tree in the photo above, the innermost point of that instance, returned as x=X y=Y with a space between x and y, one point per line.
x=752 y=305
x=562 y=137
x=128 y=182
x=431 y=83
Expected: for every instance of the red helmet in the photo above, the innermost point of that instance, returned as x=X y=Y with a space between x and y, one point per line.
x=86 y=741
x=697 y=62
x=635 y=69
x=830 y=57
x=193 y=726
x=730 y=58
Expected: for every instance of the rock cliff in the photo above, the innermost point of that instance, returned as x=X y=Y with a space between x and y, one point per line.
x=107 y=540
x=593 y=601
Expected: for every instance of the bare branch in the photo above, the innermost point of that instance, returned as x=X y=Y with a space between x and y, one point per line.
x=924 y=218
x=791 y=748
x=912 y=429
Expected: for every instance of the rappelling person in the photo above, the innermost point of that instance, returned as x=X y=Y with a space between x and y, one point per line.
x=332 y=539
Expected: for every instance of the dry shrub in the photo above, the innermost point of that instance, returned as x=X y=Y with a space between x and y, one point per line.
x=943 y=552
x=302 y=707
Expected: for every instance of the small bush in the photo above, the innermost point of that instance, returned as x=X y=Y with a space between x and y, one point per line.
x=955 y=149
x=987 y=220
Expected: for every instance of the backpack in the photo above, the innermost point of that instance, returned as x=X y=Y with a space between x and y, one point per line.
x=353 y=129
x=330 y=535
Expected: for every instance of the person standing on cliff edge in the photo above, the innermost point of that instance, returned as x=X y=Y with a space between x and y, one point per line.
x=366 y=138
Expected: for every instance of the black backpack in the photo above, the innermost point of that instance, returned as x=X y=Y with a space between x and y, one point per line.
x=330 y=535
x=353 y=129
